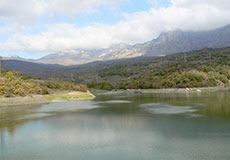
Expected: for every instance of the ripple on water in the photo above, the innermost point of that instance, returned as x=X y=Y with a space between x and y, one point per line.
x=164 y=108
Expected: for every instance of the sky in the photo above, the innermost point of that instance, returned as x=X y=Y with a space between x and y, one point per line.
x=35 y=28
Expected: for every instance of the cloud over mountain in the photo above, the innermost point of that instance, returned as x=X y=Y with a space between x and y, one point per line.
x=135 y=27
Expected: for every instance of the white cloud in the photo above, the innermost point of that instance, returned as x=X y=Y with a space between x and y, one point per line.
x=67 y=36
x=138 y=27
x=23 y=11
x=27 y=11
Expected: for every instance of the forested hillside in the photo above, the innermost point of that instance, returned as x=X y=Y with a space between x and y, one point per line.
x=201 y=68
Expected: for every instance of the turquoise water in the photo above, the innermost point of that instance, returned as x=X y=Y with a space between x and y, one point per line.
x=124 y=127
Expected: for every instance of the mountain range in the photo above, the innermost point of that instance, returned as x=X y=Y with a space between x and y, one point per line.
x=167 y=43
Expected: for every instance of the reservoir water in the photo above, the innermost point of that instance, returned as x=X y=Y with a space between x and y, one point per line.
x=120 y=127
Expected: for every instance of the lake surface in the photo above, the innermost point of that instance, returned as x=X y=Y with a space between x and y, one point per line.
x=120 y=127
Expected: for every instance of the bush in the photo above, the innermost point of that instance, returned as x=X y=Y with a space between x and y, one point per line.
x=14 y=84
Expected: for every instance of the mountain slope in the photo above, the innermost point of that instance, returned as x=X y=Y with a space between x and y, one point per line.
x=31 y=68
x=78 y=56
x=183 y=41
x=200 y=68
x=167 y=43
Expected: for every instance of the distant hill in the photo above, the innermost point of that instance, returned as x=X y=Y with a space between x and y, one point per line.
x=82 y=56
x=167 y=43
x=199 y=68
x=14 y=57
x=31 y=68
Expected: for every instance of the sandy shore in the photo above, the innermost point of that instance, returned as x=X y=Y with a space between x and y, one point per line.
x=170 y=90
x=59 y=96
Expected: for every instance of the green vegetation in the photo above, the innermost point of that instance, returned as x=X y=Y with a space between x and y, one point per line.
x=16 y=84
x=64 y=85
x=3 y=102
x=50 y=98
x=203 y=68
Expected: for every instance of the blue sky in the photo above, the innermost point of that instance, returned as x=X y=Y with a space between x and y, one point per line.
x=104 y=14
x=32 y=29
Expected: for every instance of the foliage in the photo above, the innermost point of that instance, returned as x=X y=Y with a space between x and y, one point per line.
x=101 y=85
x=201 y=68
x=16 y=84
x=204 y=68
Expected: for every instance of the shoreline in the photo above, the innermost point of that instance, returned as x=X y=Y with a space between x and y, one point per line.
x=64 y=96
x=165 y=91
x=60 y=96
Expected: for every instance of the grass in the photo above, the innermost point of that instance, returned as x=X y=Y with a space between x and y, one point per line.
x=50 y=98
x=85 y=96
x=4 y=102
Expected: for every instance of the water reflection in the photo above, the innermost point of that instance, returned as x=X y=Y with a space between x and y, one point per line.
x=15 y=117
x=214 y=104
x=11 y=117
x=153 y=126
x=164 y=108
x=93 y=135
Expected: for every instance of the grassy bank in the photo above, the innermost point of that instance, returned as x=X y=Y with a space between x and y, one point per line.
x=20 y=89
x=58 y=96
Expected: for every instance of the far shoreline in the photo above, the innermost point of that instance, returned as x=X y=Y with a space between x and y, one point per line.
x=165 y=91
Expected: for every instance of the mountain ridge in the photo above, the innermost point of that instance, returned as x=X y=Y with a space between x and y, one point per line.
x=166 y=43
